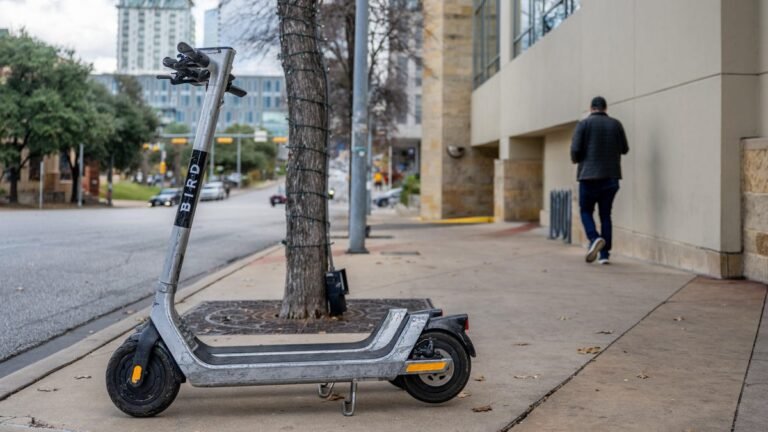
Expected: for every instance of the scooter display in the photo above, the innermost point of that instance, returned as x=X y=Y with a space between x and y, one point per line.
x=424 y=353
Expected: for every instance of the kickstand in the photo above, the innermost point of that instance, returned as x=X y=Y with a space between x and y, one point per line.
x=324 y=390
x=348 y=405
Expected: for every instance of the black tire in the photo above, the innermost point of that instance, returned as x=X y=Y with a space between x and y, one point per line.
x=442 y=387
x=398 y=382
x=157 y=391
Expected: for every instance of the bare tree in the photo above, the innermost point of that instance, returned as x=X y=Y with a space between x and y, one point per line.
x=310 y=86
x=306 y=242
x=395 y=29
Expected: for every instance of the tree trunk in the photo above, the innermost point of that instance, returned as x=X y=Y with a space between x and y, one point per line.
x=13 y=197
x=306 y=177
x=75 y=168
x=109 y=180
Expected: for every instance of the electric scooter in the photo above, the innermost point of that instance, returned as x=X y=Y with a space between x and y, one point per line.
x=424 y=353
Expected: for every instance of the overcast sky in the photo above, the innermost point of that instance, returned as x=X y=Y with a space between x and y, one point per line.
x=87 y=26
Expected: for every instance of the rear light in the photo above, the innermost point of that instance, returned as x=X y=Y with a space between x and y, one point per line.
x=466 y=324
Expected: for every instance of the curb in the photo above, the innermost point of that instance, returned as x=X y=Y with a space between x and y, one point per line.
x=464 y=220
x=33 y=373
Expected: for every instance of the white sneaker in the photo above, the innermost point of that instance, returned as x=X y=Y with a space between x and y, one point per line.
x=604 y=261
x=595 y=249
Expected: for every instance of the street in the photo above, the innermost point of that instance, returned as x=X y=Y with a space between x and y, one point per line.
x=61 y=269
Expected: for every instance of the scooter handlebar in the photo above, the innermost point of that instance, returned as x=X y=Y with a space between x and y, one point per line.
x=237 y=91
x=196 y=56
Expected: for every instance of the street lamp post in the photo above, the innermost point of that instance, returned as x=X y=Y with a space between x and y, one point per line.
x=239 y=173
x=357 y=217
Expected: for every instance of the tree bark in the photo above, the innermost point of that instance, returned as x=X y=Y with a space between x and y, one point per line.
x=306 y=175
x=109 y=180
x=13 y=196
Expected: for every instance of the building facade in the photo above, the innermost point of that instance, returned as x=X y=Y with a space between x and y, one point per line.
x=264 y=106
x=687 y=79
x=149 y=30
x=211 y=28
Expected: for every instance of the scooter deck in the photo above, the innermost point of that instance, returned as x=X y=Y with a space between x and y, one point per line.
x=322 y=353
x=379 y=337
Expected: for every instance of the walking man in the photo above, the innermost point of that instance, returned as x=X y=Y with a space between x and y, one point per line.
x=597 y=146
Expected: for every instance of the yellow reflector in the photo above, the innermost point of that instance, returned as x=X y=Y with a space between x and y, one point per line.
x=280 y=139
x=136 y=376
x=178 y=140
x=426 y=367
x=224 y=140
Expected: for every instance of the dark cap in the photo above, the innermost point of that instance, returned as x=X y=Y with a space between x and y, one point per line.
x=599 y=103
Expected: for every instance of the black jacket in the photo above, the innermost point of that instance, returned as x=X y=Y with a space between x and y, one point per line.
x=597 y=146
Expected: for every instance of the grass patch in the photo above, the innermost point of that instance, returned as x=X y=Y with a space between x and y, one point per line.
x=129 y=191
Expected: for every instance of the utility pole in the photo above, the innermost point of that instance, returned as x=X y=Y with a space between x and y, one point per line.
x=42 y=174
x=389 y=168
x=239 y=173
x=213 y=158
x=80 y=179
x=357 y=217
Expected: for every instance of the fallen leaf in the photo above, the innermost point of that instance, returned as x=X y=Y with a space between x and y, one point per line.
x=484 y=408
x=522 y=344
x=129 y=311
x=464 y=394
x=480 y=378
x=335 y=397
x=679 y=318
x=79 y=377
x=47 y=389
x=564 y=318
x=643 y=376
x=20 y=289
x=526 y=376
x=589 y=350
x=605 y=332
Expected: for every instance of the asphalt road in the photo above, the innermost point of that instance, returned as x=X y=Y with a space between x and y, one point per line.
x=62 y=268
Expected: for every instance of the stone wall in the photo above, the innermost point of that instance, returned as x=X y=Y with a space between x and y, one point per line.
x=754 y=185
x=451 y=187
x=518 y=190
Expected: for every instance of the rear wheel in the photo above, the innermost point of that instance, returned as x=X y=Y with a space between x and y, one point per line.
x=443 y=386
x=157 y=391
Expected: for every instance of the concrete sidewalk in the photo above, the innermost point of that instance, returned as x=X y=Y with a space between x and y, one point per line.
x=673 y=353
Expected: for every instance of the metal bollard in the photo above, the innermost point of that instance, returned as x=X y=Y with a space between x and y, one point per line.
x=560 y=214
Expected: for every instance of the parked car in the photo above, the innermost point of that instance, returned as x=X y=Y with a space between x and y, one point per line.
x=212 y=191
x=166 y=197
x=278 y=198
x=388 y=199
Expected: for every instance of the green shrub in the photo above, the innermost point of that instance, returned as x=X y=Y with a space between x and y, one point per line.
x=2 y=192
x=411 y=186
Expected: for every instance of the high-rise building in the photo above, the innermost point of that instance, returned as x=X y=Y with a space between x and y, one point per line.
x=211 y=28
x=149 y=30
x=264 y=106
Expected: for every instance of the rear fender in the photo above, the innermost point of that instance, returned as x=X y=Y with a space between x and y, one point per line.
x=453 y=325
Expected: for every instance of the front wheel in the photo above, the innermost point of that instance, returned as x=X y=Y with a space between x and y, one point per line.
x=444 y=386
x=157 y=391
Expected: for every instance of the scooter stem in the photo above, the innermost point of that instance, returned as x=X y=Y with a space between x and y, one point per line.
x=219 y=67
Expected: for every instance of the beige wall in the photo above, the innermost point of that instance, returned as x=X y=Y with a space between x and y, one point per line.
x=686 y=79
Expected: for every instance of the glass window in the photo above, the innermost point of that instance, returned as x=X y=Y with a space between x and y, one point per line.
x=277 y=102
x=485 y=40
x=229 y=116
x=267 y=102
x=65 y=172
x=277 y=85
x=535 y=18
x=267 y=85
x=250 y=116
x=34 y=167
x=417 y=110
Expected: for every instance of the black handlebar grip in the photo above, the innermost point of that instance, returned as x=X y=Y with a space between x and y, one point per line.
x=194 y=54
x=169 y=62
x=237 y=91
x=163 y=77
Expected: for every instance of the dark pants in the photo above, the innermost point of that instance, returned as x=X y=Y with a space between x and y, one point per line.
x=600 y=192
